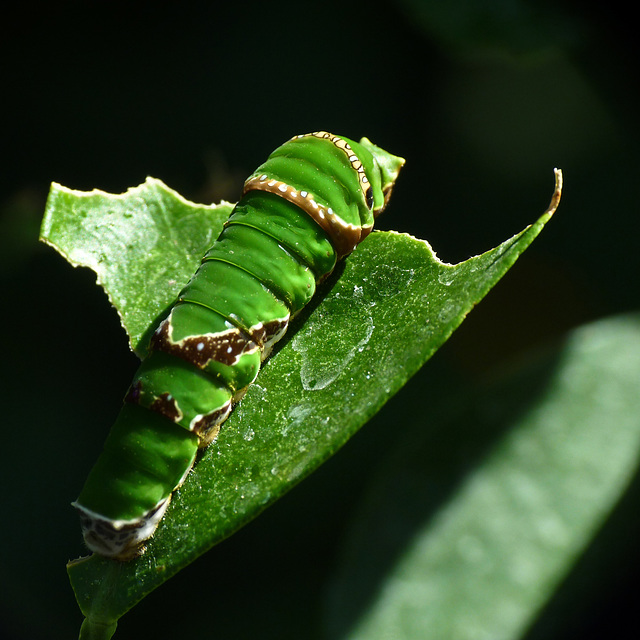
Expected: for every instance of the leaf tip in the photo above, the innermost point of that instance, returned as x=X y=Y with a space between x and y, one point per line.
x=557 y=193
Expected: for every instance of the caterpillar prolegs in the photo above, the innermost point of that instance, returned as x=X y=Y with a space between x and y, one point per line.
x=308 y=206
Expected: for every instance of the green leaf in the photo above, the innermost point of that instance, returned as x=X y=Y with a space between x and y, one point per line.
x=143 y=245
x=455 y=551
x=374 y=325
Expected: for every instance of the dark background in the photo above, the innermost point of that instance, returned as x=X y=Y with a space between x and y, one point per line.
x=483 y=99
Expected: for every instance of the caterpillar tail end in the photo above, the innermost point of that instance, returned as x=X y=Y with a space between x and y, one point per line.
x=121 y=540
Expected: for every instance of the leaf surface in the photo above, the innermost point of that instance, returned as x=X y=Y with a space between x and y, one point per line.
x=143 y=245
x=375 y=322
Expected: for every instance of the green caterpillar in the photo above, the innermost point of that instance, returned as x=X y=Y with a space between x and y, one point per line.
x=309 y=205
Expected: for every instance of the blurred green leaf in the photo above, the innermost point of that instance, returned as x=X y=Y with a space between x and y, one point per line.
x=499 y=29
x=455 y=550
x=379 y=318
x=19 y=223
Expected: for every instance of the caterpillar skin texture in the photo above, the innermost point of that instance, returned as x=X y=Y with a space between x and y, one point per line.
x=309 y=205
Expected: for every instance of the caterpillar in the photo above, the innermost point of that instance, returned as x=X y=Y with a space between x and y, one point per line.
x=309 y=205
